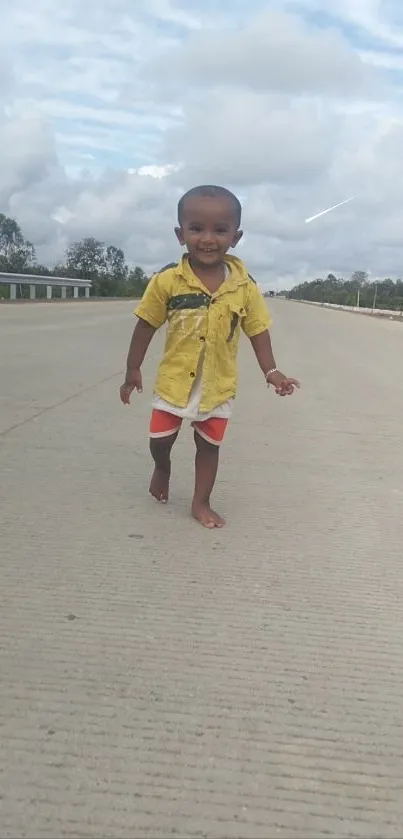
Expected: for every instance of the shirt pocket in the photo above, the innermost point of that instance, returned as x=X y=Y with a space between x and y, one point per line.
x=236 y=313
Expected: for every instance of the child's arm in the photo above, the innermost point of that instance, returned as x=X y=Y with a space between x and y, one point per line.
x=256 y=326
x=283 y=385
x=141 y=338
x=151 y=313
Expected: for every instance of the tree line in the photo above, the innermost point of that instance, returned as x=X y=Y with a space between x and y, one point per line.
x=89 y=259
x=105 y=265
x=358 y=290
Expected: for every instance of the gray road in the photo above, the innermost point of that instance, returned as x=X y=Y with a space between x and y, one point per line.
x=161 y=680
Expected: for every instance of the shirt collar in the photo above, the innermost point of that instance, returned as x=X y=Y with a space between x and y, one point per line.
x=237 y=276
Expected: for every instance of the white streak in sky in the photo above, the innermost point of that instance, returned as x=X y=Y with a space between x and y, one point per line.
x=329 y=209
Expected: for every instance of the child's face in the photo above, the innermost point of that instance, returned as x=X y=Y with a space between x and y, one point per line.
x=208 y=229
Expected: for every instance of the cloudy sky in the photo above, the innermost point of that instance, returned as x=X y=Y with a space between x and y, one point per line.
x=108 y=112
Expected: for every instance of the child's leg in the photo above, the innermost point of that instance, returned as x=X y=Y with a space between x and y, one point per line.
x=161 y=453
x=164 y=429
x=206 y=466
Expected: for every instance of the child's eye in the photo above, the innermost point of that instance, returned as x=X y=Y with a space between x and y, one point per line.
x=221 y=230
x=195 y=228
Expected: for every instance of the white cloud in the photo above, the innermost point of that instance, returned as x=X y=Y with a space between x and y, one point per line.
x=62 y=215
x=274 y=52
x=155 y=171
x=106 y=115
x=167 y=12
x=250 y=137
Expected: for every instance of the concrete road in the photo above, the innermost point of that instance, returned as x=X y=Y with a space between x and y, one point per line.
x=160 y=680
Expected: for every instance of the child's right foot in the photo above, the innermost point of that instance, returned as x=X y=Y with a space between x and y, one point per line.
x=159 y=486
x=202 y=512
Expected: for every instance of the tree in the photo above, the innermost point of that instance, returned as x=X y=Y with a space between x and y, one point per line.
x=17 y=255
x=115 y=265
x=137 y=282
x=360 y=278
x=113 y=276
x=387 y=293
x=61 y=270
x=86 y=259
x=103 y=264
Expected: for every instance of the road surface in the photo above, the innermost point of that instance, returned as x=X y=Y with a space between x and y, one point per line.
x=159 y=680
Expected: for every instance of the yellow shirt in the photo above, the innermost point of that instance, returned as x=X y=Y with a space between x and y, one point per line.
x=197 y=319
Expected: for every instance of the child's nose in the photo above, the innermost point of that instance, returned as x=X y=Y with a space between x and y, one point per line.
x=207 y=237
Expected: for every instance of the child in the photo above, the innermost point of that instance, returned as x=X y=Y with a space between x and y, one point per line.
x=207 y=298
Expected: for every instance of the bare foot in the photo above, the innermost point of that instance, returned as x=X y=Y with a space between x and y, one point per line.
x=203 y=513
x=159 y=486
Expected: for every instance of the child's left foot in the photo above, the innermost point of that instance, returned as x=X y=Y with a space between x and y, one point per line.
x=203 y=513
x=159 y=486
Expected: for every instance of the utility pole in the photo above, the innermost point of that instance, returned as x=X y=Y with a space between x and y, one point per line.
x=361 y=278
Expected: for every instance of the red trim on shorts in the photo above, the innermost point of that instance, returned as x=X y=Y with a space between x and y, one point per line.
x=212 y=429
x=164 y=424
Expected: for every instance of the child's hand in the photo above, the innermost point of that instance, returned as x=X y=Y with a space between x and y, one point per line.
x=136 y=383
x=283 y=385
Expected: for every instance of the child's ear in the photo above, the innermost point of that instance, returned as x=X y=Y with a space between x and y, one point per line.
x=237 y=238
x=179 y=235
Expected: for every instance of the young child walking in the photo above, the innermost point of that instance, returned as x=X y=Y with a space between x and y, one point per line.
x=206 y=300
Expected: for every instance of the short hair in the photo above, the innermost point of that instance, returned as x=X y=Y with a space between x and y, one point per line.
x=210 y=191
